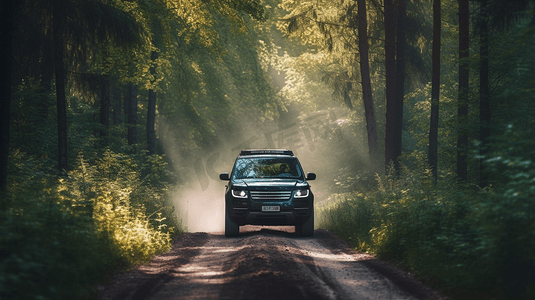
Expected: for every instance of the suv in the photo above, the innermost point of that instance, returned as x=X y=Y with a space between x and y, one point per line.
x=268 y=187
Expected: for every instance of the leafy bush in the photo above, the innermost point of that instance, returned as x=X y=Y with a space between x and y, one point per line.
x=63 y=236
x=507 y=216
x=114 y=192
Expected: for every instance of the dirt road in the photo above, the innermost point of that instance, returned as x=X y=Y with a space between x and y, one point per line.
x=264 y=263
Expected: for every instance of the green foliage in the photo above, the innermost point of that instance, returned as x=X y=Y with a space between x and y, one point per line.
x=48 y=253
x=216 y=97
x=507 y=216
x=471 y=243
x=63 y=236
x=50 y=248
x=417 y=139
x=119 y=200
x=33 y=116
x=304 y=87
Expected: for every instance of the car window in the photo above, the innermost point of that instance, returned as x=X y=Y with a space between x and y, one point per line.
x=266 y=167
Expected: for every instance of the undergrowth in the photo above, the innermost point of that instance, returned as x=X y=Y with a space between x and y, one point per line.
x=62 y=236
x=469 y=242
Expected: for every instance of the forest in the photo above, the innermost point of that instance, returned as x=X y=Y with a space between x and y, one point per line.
x=118 y=115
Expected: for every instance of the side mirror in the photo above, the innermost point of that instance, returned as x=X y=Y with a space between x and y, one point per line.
x=224 y=176
x=311 y=176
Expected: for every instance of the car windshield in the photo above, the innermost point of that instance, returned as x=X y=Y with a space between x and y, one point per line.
x=266 y=167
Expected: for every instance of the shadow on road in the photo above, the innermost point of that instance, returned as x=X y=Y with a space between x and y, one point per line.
x=282 y=231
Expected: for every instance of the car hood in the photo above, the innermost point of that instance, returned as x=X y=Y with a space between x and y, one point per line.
x=270 y=182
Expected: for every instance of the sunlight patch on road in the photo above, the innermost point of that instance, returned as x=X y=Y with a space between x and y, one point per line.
x=202 y=271
x=210 y=274
x=330 y=256
x=355 y=282
x=226 y=249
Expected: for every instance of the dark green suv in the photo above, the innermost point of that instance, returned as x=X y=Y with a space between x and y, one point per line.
x=268 y=187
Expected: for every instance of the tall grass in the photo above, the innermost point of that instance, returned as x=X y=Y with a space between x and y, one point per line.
x=61 y=236
x=472 y=243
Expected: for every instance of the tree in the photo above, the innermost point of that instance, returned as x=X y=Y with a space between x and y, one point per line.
x=59 y=22
x=435 y=89
x=151 y=113
x=105 y=104
x=462 y=105
x=367 y=96
x=131 y=113
x=117 y=115
x=401 y=45
x=6 y=63
x=390 y=80
x=485 y=112
x=75 y=27
x=395 y=74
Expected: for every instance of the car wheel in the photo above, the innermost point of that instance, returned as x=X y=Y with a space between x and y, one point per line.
x=307 y=228
x=231 y=227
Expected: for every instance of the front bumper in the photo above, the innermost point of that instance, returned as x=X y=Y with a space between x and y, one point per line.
x=294 y=211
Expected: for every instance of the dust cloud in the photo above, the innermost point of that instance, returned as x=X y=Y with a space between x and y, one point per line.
x=202 y=211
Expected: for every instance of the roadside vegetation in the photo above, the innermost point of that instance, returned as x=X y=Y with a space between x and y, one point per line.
x=469 y=242
x=61 y=236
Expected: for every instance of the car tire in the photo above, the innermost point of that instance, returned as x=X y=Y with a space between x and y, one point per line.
x=231 y=227
x=307 y=228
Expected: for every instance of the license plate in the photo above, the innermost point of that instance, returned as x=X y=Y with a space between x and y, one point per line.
x=271 y=208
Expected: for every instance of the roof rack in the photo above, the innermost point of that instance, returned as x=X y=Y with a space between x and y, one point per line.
x=266 y=151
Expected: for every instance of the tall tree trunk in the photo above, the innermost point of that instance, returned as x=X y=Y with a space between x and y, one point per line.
x=6 y=65
x=400 y=82
x=126 y=100
x=151 y=111
x=60 y=88
x=126 y=107
x=462 y=105
x=151 y=120
x=435 y=89
x=117 y=115
x=485 y=111
x=390 y=79
x=47 y=74
x=132 y=114
x=371 y=124
x=104 y=109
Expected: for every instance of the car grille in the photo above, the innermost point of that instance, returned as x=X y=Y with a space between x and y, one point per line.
x=271 y=195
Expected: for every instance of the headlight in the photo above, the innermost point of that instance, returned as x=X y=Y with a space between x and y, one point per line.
x=301 y=193
x=239 y=194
